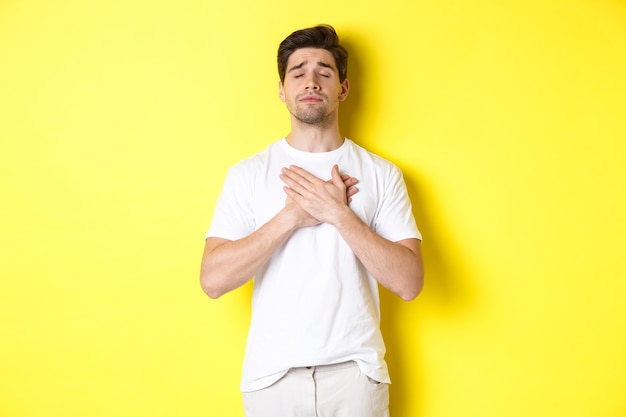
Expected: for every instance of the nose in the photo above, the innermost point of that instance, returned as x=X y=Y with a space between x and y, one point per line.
x=312 y=84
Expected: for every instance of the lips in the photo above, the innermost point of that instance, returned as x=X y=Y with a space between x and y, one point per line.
x=311 y=98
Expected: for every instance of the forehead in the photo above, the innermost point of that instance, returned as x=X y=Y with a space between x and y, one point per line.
x=311 y=55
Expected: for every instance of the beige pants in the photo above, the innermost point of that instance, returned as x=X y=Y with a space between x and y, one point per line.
x=340 y=390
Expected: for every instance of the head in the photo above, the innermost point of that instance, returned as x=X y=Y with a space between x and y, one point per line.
x=322 y=37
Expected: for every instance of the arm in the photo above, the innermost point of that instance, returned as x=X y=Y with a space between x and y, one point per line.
x=228 y=264
x=397 y=266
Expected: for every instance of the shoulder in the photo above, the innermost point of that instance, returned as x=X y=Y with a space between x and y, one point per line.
x=253 y=163
x=377 y=162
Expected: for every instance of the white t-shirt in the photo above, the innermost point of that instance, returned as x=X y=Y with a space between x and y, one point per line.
x=313 y=302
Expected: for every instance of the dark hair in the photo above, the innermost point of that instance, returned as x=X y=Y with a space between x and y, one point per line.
x=320 y=36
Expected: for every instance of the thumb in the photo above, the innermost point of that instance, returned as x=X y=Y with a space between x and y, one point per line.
x=336 y=177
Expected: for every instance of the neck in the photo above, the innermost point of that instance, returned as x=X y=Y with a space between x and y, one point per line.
x=314 y=138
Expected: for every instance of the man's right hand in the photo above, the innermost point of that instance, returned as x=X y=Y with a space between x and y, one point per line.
x=304 y=219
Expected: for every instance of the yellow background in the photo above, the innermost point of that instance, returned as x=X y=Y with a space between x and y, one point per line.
x=118 y=120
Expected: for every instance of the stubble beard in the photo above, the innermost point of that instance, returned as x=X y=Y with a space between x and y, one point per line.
x=311 y=115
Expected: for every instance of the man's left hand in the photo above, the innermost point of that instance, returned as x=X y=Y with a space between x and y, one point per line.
x=324 y=200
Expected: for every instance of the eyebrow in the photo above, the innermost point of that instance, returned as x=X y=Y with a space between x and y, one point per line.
x=300 y=65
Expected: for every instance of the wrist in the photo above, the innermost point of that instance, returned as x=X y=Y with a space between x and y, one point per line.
x=287 y=220
x=344 y=217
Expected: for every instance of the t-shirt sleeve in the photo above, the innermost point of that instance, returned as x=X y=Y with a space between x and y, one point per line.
x=233 y=217
x=394 y=220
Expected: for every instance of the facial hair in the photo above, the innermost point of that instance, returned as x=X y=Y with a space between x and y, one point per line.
x=312 y=115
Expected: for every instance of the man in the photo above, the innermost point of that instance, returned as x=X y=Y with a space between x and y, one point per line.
x=318 y=246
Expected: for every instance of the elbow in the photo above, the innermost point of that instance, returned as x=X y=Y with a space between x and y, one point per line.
x=412 y=291
x=410 y=295
x=210 y=288
x=215 y=282
x=212 y=293
x=412 y=281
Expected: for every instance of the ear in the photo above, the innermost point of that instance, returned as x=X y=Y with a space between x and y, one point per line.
x=345 y=88
x=281 y=91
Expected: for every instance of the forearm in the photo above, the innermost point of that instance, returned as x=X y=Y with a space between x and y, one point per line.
x=227 y=265
x=397 y=266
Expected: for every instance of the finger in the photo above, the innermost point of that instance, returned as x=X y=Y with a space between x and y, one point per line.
x=293 y=186
x=293 y=175
x=350 y=181
x=295 y=181
x=334 y=172
x=351 y=191
x=294 y=195
x=303 y=173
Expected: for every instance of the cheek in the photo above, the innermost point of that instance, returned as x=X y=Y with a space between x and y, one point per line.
x=286 y=93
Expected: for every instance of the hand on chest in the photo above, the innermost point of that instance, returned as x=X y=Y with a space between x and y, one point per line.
x=269 y=195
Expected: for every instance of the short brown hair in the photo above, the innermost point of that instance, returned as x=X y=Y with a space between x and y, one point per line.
x=320 y=36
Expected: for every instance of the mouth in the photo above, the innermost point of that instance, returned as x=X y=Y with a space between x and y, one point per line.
x=311 y=98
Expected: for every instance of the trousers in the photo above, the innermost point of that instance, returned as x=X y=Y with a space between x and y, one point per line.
x=340 y=390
